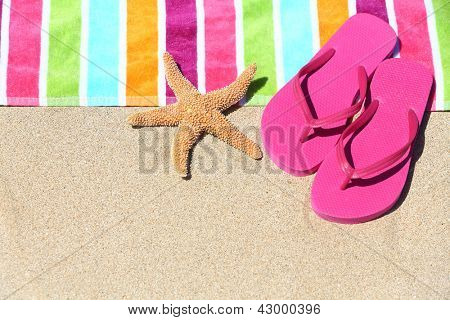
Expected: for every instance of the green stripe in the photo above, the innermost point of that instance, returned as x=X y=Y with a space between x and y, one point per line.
x=259 y=45
x=260 y=100
x=64 y=47
x=442 y=12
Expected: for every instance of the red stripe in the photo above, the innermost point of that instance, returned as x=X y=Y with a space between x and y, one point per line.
x=24 y=51
x=375 y=7
x=413 y=32
x=181 y=38
x=220 y=44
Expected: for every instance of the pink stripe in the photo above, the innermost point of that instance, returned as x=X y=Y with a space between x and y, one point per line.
x=24 y=51
x=413 y=32
x=220 y=44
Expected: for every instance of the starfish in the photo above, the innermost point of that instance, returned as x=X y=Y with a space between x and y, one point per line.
x=195 y=114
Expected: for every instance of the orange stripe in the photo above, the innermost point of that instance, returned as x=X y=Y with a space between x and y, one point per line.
x=332 y=14
x=142 y=52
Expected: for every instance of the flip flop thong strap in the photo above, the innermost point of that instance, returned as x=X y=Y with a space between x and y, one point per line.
x=380 y=165
x=347 y=113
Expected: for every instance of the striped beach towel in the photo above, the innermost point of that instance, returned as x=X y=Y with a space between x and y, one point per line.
x=108 y=52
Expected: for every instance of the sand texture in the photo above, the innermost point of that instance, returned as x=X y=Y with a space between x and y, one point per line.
x=93 y=209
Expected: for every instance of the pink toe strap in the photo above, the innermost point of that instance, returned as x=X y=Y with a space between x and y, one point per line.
x=347 y=113
x=380 y=165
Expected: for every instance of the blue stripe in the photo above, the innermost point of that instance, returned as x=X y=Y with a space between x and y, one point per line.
x=103 y=53
x=296 y=32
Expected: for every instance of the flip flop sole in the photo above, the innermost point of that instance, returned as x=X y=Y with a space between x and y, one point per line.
x=399 y=86
x=364 y=40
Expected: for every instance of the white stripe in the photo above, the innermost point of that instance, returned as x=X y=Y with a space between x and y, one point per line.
x=161 y=50
x=44 y=52
x=240 y=62
x=393 y=22
x=84 y=52
x=314 y=13
x=351 y=7
x=278 y=43
x=201 y=46
x=122 y=94
x=438 y=74
x=4 y=51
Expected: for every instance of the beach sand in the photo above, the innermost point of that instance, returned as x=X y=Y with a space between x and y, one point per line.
x=91 y=208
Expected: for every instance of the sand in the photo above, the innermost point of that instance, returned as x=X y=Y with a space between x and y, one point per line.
x=83 y=216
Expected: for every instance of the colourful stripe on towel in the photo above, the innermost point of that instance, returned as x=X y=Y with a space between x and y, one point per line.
x=24 y=52
x=64 y=53
x=413 y=32
x=442 y=14
x=331 y=17
x=103 y=53
x=297 y=35
x=374 y=7
x=220 y=44
x=1 y=11
x=259 y=47
x=181 y=38
x=142 y=56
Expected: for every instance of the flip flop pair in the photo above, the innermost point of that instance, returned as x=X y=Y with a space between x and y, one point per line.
x=362 y=165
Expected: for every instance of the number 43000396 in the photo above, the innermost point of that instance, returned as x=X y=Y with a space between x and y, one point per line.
x=269 y=308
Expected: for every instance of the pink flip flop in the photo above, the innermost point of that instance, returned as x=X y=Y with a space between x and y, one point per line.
x=305 y=119
x=363 y=177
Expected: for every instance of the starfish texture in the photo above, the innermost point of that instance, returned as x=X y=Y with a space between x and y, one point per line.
x=195 y=113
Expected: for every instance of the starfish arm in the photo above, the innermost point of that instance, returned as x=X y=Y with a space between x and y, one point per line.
x=166 y=116
x=224 y=98
x=179 y=84
x=184 y=140
x=228 y=133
